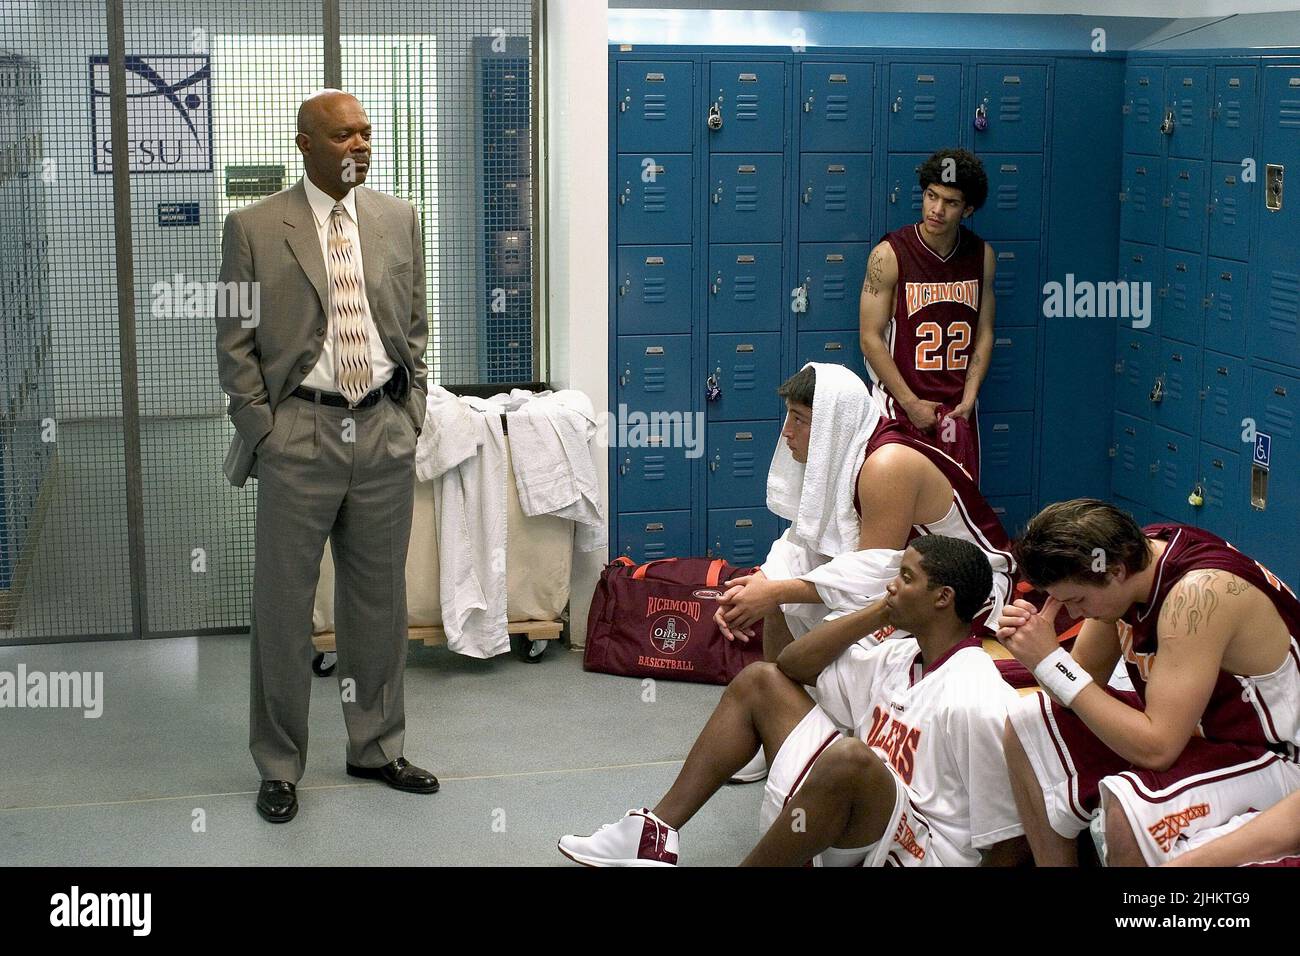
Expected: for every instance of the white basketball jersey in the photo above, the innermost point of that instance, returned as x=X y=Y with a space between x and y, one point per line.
x=941 y=732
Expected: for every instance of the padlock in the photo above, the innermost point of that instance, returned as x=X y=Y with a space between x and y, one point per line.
x=981 y=118
x=799 y=298
x=712 y=390
x=1196 y=498
x=715 y=116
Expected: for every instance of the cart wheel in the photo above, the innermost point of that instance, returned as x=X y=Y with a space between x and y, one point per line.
x=528 y=651
x=322 y=665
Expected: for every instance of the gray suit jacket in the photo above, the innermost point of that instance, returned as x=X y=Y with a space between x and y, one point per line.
x=274 y=243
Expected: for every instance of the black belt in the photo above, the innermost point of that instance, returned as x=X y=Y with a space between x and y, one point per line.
x=337 y=400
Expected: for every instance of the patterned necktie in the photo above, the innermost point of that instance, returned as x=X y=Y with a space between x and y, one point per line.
x=347 y=315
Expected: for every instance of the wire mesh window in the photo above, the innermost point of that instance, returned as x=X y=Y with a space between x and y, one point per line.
x=212 y=94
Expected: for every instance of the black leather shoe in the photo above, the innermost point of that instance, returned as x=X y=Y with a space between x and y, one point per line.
x=277 y=801
x=399 y=775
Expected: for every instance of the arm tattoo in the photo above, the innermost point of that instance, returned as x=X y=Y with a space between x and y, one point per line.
x=1238 y=586
x=1194 y=603
x=875 y=273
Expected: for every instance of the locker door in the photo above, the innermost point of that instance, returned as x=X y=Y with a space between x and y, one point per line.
x=835 y=197
x=1013 y=513
x=1130 y=475
x=1220 y=473
x=1004 y=466
x=739 y=455
x=741 y=535
x=834 y=273
x=1015 y=101
x=654 y=289
x=654 y=372
x=745 y=197
x=1187 y=91
x=1180 y=376
x=654 y=107
x=1276 y=299
x=838 y=101
x=654 y=198
x=1227 y=286
x=748 y=370
x=1187 y=202
x=751 y=100
x=1015 y=284
x=1235 y=98
x=1175 y=457
x=745 y=288
x=655 y=535
x=1183 y=312
x=1010 y=385
x=904 y=192
x=1015 y=205
x=1141 y=189
x=1144 y=109
x=925 y=106
x=1135 y=371
x=653 y=470
x=1232 y=211
x=1224 y=379
x=1268 y=532
x=1139 y=263
x=836 y=348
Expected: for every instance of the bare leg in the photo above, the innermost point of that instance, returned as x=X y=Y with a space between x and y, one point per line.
x=760 y=707
x=846 y=801
x=776 y=635
x=1121 y=846
x=1048 y=846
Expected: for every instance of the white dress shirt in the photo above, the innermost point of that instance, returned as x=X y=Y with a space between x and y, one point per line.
x=321 y=377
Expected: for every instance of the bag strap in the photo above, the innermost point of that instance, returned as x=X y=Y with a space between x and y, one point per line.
x=624 y=560
x=639 y=573
x=715 y=572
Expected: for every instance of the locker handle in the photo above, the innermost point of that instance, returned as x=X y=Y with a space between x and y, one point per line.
x=1217 y=463
x=839 y=78
x=744 y=348
x=748 y=78
x=1222 y=370
x=999 y=341
x=1006 y=255
x=1280 y=391
x=744 y=522
x=744 y=436
x=1234 y=82
x=654 y=350
x=925 y=78
x=833 y=347
x=1294 y=81
x=1138 y=258
x=1185 y=174
x=1009 y=168
x=654 y=77
x=744 y=260
x=1130 y=431
x=655 y=526
x=1187 y=81
x=835 y=168
x=1176 y=357
x=1144 y=81
x=747 y=169
x=1180 y=267
x=1171 y=446
x=1140 y=171
x=1230 y=180
x=834 y=257
x=1002 y=427
x=1225 y=276
x=654 y=260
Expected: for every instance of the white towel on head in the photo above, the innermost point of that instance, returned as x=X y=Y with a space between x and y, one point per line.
x=818 y=496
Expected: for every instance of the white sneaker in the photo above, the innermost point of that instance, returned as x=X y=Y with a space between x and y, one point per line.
x=756 y=769
x=639 y=839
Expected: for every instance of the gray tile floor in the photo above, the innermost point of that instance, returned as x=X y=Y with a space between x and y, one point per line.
x=525 y=752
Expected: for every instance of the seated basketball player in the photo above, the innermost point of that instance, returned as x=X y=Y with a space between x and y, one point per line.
x=1271 y=838
x=1209 y=639
x=920 y=781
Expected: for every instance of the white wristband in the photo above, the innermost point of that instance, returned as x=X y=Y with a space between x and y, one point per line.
x=1061 y=676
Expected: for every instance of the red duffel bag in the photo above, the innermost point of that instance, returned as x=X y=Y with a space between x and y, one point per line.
x=656 y=620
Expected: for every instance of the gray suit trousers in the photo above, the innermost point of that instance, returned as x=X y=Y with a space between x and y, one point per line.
x=320 y=478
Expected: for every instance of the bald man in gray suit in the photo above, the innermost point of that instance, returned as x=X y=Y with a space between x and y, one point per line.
x=327 y=386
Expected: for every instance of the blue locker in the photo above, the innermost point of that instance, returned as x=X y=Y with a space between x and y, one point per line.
x=1175 y=457
x=1268 y=528
x=1182 y=314
x=1139 y=263
x=739 y=455
x=1275 y=297
x=654 y=289
x=654 y=535
x=1224 y=379
x=1005 y=469
x=748 y=370
x=1141 y=191
x=1227 y=286
x=1232 y=206
x=836 y=348
x=1235 y=99
x=1187 y=91
x=1014 y=99
x=745 y=291
x=741 y=535
x=654 y=107
x=833 y=273
x=1130 y=475
x=750 y=97
x=654 y=372
x=1015 y=284
x=654 y=198
x=835 y=197
x=1011 y=384
x=838 y=104
x=1015 y=205
x=745 y=193
x=1135 y=372
x=1187 y=197
x=1140 y=512
x=1220 y=473
x=1013 y=513
x=903 y=192
x=925 y=106
x=653 y=470
x=1179 y=368
x=1144 y=108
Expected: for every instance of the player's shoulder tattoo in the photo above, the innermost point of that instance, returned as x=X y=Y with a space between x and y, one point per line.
x=876 y=271
x=1196 y=597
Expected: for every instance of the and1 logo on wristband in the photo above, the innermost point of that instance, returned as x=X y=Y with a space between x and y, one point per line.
x=1061 y=676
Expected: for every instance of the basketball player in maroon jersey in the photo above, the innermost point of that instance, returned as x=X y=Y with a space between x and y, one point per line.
x=1209 y=734
x=926 y=312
